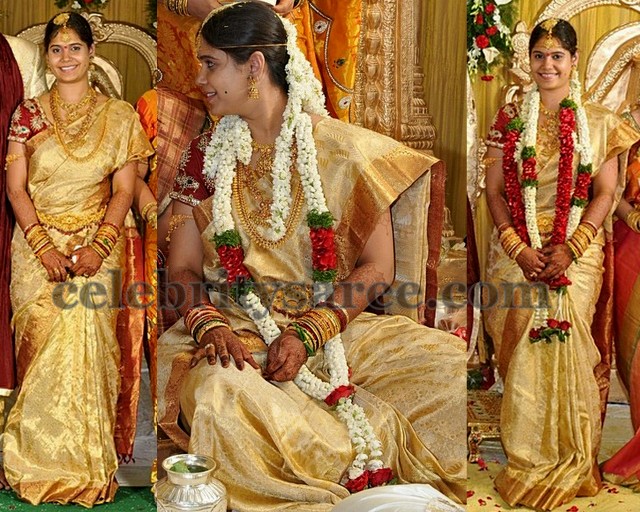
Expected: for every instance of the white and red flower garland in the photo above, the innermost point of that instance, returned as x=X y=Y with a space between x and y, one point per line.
x=520 y=153
x=230 y=143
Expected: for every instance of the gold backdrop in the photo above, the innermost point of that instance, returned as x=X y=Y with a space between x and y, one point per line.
x=590 y=25
x=444 y=56
x=20 y=14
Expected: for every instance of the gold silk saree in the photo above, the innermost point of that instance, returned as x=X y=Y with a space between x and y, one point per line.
x=275 y=447
x=58 y=444
x=551 y=409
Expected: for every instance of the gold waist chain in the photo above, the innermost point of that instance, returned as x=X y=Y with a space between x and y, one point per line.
x=70 y=223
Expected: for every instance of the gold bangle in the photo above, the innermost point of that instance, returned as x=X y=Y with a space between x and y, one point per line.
x=633 y=220
x=588 y=222
x=178 y=7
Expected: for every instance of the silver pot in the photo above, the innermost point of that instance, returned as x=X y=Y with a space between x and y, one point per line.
x=193 y=491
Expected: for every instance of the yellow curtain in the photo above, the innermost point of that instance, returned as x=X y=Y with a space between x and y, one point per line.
x=444 y=53
x=17 y=16
x=590 y=25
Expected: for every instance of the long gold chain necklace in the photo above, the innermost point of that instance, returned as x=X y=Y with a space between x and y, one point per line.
x=252 y=219
x=69 y=140
x=253 y=179
x=549 y=132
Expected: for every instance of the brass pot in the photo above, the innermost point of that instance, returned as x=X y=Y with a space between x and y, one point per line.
x=194 y=491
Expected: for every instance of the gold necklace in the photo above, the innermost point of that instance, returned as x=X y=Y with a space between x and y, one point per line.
x=252 y=177
x=73 y=111
x=549 y=132
x=248 y=217
x=78 y=138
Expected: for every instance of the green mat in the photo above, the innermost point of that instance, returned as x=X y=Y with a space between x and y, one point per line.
x=128 y=499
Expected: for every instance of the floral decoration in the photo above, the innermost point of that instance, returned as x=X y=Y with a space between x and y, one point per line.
x=520 y=153
x=553 y=328
x=82 y=5
x=488 y=34
x=230 y=144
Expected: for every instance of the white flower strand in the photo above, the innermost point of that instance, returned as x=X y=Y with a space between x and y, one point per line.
x=530 y=192
x=232 y=142
x=582 y=139
x=583 y=146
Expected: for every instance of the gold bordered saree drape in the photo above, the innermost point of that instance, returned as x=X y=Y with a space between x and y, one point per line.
x=59 y=440
x=551 y=410
x=275 y=447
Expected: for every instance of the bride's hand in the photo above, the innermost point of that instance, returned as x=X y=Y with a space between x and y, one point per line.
x=557 y=258
x=222 y=342
x=56 y=264
x=530 y=261
x=285 y=357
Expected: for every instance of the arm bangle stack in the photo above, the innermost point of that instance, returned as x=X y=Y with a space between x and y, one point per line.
x=633 y=220
x=178 y=7
x=203 y=317
x=150 y=214
x=316 y=327
x=105 y=239
x=582 y=238
x=512 y=243
x=38 y=239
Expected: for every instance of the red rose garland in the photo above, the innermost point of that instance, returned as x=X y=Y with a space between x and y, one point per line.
x=324 y=261
x=564 y=198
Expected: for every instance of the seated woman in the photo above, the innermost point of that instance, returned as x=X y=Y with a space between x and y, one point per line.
x=624 y=467
x=281 y=236
x=71 y=170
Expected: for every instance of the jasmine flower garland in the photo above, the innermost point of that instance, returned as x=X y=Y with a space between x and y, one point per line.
x=520 y=158
x=230 y=144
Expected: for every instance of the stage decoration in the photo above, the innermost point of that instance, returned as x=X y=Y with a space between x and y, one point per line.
x=82 y=5
x=488 y=35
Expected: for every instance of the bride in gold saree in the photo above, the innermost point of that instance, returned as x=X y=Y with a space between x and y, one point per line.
x=71 y=169
x=551 y=178
x=276 y=253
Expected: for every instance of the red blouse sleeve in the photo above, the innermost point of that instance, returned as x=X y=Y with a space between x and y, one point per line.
x=191 y=186
x=498 y=128
x=27 y=120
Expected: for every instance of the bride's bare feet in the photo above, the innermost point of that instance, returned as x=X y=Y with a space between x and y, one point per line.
x=4 y=485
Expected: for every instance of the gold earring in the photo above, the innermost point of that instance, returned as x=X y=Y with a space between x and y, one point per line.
x=254 y=94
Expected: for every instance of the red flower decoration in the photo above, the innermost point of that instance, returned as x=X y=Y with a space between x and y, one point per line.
x=323 y=249
x=490 y=8
x=470 y=493
x=481 y=502
x=357 y=484
x=534 y=334
x=479 y=19
x=486 y=78
x=380 y=477
x=565 y=325
x=232 y=259
x=573 y=509
x=560 y=282
x=338 y=393
x=491 y=31
x=553 y=323
x=461 y=332
x=482 y=41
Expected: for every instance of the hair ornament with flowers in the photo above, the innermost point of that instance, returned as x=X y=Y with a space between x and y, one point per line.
x=230 y=144
x=521 y=186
